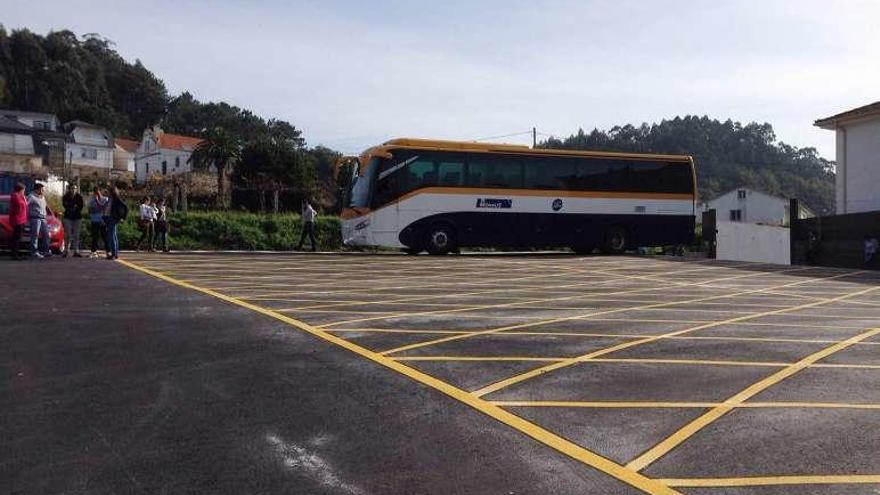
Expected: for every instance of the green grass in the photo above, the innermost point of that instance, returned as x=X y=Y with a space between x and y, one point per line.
x=231 y=231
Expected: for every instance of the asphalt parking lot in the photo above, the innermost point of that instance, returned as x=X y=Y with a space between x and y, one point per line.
x=497 y=374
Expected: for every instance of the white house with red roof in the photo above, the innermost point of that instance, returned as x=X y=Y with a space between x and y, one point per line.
x=163 y=154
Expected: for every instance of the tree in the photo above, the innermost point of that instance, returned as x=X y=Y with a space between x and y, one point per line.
x=272 y=165
x=727 y=154
x=221 y=150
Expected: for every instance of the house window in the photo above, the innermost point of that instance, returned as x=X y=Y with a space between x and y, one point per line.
x=42 y=124
x=164 y=168
x=89 y=153
x=176 y=162
x=736 y=215
x=147 y=169
x=741 y=194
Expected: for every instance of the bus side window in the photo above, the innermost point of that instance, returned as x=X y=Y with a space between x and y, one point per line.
x=451 y=173
x=494 y=171
x=422 y=173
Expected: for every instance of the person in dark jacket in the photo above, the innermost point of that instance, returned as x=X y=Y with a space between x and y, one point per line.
x=118 y=211
x=18 y=217
x=98 y=211
x=73 y=204
x=162 y=226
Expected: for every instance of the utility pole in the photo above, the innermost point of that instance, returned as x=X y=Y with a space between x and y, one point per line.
x=534 y=137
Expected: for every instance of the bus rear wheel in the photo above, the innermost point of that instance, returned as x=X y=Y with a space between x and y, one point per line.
x=440 y=239
x=615 y=241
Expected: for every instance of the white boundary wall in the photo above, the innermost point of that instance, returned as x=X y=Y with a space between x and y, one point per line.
x=738 y=241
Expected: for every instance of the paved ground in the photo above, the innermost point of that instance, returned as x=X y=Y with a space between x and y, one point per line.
x=461 y=374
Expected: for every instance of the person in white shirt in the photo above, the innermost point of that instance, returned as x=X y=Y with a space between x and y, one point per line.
x=147 y=224
x=308 y=228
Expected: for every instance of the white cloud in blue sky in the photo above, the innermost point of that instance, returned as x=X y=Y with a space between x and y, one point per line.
x=352 y=74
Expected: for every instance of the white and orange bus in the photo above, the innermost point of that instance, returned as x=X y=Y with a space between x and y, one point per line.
x=438 y=196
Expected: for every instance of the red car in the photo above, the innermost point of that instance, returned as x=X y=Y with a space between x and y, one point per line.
x=56 y=230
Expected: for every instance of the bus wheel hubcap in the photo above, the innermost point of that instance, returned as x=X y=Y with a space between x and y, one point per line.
x=440 y=239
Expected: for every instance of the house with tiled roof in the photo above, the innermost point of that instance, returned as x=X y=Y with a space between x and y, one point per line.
x=123 y=154
x=858 y=157
x=164 y=154
x=89 y=149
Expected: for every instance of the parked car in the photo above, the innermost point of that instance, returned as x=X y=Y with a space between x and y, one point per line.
x=56 y=230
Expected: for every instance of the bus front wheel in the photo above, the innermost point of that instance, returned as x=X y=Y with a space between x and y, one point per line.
x=615 y=241
x=440 y=239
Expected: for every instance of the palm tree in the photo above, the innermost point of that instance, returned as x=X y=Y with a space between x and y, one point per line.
x=222 y=150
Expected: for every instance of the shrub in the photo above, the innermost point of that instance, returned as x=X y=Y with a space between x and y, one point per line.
x=230 y=230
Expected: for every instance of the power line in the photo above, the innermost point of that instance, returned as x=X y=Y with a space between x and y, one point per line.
x=504 y=136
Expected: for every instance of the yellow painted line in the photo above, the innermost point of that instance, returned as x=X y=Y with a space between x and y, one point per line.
x=576 y=317
x=677 y=405
x=834 y=479
x=576 y=296
x=700 y=362
x=601 y=404
x=556 y=442
x=551 y=367
x=392 y=330
x=475 y=358
x=711 y=416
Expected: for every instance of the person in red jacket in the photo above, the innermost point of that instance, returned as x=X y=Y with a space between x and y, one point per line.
x=18 y=217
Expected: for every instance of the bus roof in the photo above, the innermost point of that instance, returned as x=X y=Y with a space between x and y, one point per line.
x=437 y=144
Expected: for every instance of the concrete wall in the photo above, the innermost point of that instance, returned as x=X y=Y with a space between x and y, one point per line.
x=756 y=207
x=858 y=158
x=740 y=241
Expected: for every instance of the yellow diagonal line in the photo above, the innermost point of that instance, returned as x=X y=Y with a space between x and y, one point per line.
x=556 y=442
x=590 y=314
x=834 y=479
x=709 y=417
x=601 y=352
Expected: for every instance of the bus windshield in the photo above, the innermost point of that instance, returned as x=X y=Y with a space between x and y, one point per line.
x=360 y=185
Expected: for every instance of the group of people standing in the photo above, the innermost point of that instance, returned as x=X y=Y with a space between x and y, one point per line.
x=153 y=224
x=105 y=213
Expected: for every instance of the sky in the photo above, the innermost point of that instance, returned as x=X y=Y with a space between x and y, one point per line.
x=352 y=74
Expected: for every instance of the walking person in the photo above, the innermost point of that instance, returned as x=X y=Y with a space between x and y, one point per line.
x=18 y=218
x=308 y=228
x=73 y=204
x=98 y=209
x=116 y=214
x=146 y=223
x=36 y=205
x=162 y=226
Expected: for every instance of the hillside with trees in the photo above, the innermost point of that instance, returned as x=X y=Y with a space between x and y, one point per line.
x=727 y=154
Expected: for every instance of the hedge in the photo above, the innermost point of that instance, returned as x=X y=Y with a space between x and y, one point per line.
x=230 y=230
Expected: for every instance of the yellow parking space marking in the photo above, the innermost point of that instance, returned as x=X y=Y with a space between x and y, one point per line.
x=699 y=362
x=680 y=405
x=392 y=330
x=708 y=418
x=540 y=371
x=475 y=358
x=599 y=313
x=617 y=278
x=556 y=442
x=834 y=479
x=577 y=296
x=502 y=335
